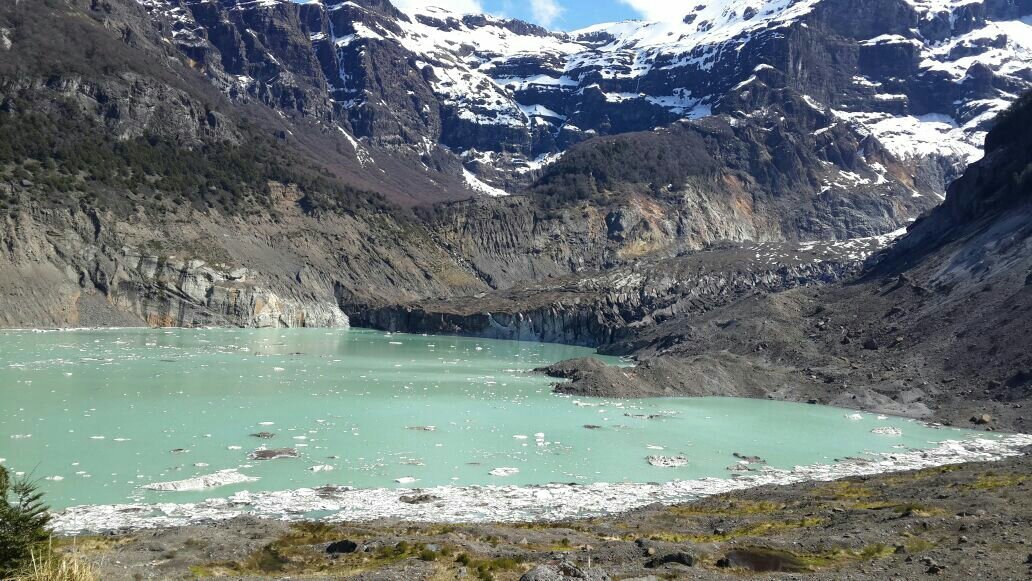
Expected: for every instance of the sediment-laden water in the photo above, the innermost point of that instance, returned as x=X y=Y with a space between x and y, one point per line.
x=138 y=427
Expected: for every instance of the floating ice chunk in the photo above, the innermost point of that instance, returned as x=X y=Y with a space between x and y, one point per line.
x=121 y=440
x=321 y=468
x=667 y=461
x=855 y=417
x=278 y=369
x=198 y=483
x=201 y=464
x=655 y=447
x=266 y=423
x=2 y=460
x=422 y=428
x=519 y=437
x=55 y=478
x=20 y=436
x=504 y=471
x=887 y=431
x=405 y=480
x=272 y=454
x=96 y=437
x=233 y=448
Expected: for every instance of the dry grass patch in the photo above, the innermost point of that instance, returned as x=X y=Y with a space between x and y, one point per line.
x=51 y=566
x=756 y=529
x=728 y=508
x=992 y=481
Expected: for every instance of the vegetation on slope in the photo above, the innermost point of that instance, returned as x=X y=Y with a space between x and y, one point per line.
x=72 y=158
x=595 y=169
x=68 y=90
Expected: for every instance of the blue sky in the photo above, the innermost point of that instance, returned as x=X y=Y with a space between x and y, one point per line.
x=562 y=14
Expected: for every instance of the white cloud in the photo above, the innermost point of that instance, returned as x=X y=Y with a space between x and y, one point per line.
x=545 y=12
x=660 y=9
x=460 y=6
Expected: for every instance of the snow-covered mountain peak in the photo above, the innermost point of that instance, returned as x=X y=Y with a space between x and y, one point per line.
x=925 y=77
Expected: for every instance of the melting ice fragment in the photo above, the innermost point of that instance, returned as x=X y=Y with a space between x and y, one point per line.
x=667 y=461
x=272 y=454
x=198 y=483
x=504 y=471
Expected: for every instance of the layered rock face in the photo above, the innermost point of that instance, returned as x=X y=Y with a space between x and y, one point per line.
x=174 y=293
x=67 y=270
x=610 y=308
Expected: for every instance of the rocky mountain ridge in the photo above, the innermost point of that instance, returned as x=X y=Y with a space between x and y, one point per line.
x=929 y=329
x=285 y=139
x=506 y=97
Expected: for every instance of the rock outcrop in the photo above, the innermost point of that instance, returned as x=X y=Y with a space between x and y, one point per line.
x=603 y=309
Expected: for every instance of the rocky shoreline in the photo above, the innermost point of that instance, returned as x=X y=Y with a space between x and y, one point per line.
x=453 y=504
x=958 y=521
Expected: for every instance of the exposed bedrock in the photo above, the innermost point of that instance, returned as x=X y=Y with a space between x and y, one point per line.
x=606 y=308
x=82 y=268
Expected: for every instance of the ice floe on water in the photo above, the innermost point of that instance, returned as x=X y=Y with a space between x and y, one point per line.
x=504 y=471
x=667 y=461
x=506 y=503
x=272 y=453
x=198 y=483
x=887 y=431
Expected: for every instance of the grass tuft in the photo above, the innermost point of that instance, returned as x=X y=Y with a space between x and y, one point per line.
x=48 y=566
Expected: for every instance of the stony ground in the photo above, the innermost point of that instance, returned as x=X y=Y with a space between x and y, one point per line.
x=913 y=344
x=971 y=521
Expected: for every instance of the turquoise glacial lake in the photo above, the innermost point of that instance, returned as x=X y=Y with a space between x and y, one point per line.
x=96 y=416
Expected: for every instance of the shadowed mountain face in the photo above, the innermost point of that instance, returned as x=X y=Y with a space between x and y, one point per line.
x=435 y=106
x=267 y=162
x=506 y=96
x=934 y=328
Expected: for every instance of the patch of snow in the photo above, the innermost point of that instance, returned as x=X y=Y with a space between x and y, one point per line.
x=474 y=183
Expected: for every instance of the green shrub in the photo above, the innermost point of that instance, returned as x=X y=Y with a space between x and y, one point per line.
x=23 y=521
